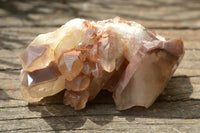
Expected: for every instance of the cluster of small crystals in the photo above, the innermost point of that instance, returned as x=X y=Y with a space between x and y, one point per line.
x=81 y=57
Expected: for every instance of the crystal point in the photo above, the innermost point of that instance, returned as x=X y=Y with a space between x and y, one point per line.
x=70 y=64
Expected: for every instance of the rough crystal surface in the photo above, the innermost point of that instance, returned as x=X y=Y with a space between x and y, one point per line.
x=83 y=57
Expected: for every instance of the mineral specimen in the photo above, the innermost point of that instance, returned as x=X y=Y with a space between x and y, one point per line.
x=84 y=57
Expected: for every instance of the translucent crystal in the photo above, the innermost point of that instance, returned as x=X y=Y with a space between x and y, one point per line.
x=79 y=83
x=36 y=57
x=88 y=39
x=43 y=82
x=97 y=83
x=87 y=68
x=24 y=89
x=85 y=57
x=73 y=31
x=70 y=64
x=155 y=77
x=77 y=100
x=148 y=73
x=97 y=70
x=108 y=51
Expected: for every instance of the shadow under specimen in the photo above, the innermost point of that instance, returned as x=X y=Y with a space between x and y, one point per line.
x=175 y=103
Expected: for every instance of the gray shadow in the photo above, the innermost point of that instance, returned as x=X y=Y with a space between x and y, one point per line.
x=57 y=115
x=4 y=96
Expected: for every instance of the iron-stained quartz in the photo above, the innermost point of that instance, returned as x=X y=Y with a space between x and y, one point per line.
x=83 y=57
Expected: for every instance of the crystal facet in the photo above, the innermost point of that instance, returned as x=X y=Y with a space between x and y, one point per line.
x=70 y=64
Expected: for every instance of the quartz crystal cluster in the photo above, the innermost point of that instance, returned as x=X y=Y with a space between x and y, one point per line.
x=84 y=57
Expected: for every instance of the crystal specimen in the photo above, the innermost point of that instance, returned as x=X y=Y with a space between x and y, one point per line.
x=85 y=57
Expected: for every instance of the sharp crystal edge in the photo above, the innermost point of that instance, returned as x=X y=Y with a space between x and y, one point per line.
x=83 y=57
